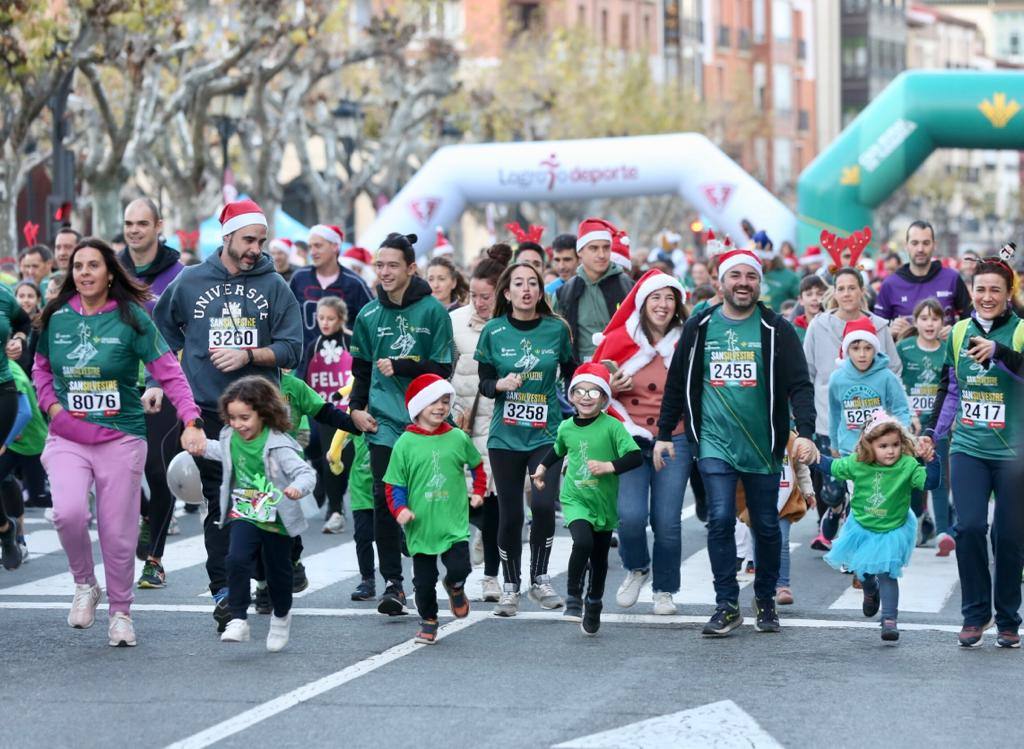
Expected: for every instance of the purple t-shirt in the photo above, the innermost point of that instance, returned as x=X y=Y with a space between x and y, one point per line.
x=902 y=291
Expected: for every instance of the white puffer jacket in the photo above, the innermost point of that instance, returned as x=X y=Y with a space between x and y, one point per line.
x=466 y=327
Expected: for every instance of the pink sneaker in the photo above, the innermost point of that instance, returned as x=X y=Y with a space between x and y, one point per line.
x=820 y=543
x=947 y=545
x=83 y=607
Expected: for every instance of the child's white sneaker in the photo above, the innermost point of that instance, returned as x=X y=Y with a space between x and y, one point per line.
x=237 y=630
x=663 y=604
x=277 y=637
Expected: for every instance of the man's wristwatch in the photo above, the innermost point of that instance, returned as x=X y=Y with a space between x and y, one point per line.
x=196 y=423
x=252 y=359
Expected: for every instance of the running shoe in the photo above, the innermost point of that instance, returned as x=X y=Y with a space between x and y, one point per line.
x=83 y=606
x=573 y=609
x=629 y=591
x=23 y=545
x=820 y=543
x=872 y=601
x=335 y=523
x=784 y=596
x=971 y=635
x=263 y=604
x=946 y=544
x=615 y=540
x=890 y=633
x=750 y=570
x=191 y=509
x=173 y=529
x=153 y=575
x=277 y=637
x=490 y=589
x=726 y=618
x=365 y=591
x=767 y=617
x=392 y=602
x=221 y=610
x=457 y=600
x=237 y=630
x=145 y=538
x=428 y=632
x=508 y=604
x=664 y=605
x=121 y=631
x=925 y=530
x=1008 y=640
x=10 y=552
x=543 y=594
x=299 y=580
x=591 y=621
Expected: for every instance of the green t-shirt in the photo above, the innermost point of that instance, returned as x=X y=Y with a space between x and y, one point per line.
x=585 y=496
x=527 y=418
x=881 y=494
x=9 y=310
x=33 y=437
x=699 y=307
x=420 y=332
x=989 y=410
x=778 y=286
x=921 y=373
x=253 y=497
x=95 y=362
x=432 y=468
x=303 y=401
x=360 y=477
x=736 y=425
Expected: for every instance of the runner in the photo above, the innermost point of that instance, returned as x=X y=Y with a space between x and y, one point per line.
x=229 y=316
x=733 y=360
x=397 y=337
x=63 y=243
x=447 y=284
x=980 y=391
x=564 y=261
x=521 y=351
x=94 y=336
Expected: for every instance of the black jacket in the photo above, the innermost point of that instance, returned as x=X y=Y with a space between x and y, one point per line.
x=785 y=365
x=614 y=288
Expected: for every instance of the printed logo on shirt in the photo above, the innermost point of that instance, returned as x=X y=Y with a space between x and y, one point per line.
x=584 y=478
x=406 y=340
x=528 y=360
x=877 y=499
x=435 y=485
x=232 y=330
x=330 y=352
x=229 y=289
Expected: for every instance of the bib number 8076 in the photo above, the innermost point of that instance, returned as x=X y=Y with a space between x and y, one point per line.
x=94 y=402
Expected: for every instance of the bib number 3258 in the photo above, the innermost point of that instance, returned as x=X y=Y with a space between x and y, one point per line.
x=534 y=415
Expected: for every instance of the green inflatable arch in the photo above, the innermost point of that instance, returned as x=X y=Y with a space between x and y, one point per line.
x=917 y=113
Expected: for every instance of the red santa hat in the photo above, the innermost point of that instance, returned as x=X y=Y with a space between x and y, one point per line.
x=594 y=374
x=280 y=243
x=812 y=256
x=594 y=230
x=730 y=260
x=442 y=246
x=620 y=249
x=356 y=257
x=331 y=233
x=423 y=391
x=861 y=329
x=240 y=213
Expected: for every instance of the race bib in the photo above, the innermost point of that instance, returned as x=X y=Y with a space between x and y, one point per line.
x=97 y=397
x=242 y=337
x=857 y=418
x=920 y=404
x=529 y=415
x=253 y=504
x=733 y=374
x=983 y=413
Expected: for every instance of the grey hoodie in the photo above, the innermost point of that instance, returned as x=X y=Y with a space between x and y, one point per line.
x=206 y=307
x=285 y=467
x=822 y=345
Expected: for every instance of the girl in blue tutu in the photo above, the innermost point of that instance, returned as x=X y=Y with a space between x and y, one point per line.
x=878 y=538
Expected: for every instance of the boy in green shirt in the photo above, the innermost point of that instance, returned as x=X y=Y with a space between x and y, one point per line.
x=425 y=488
x=599 y=449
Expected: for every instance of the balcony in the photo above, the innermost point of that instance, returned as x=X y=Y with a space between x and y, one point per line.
x=801 y=49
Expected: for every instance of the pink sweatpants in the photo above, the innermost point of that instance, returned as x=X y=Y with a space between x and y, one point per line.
x=115 y=468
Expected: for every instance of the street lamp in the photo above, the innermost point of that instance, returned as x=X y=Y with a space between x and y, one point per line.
x=226 y=111
x=349 y=115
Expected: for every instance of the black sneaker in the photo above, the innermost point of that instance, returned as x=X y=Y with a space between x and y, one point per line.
x=299 y=580
x=221 y=611
x=392 y=602
x=365 y=591
x=890 y=633
x=191 y=509
x=615 y=540
x=1008 y=639
x=591 y=621
x=428 y=632
x=145 y=536
x=926 y=531
x=9 y=551
x=871 y=602
x=573 y=609
x=726 y=618
x=767 y=617
x=263 y=605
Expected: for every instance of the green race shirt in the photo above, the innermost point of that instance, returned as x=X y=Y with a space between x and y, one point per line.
x=921 y=373
x=303 y=401
x=585 y=496
x=9 y=310
x=420 y=332
x=778 y=286
x=736 y=425
x=360 y=477
x=33 y=437
x=989 y=411
x=253 y=497
x=95 y=362
x=432 y=468
x=527 y=418
x=881 y=494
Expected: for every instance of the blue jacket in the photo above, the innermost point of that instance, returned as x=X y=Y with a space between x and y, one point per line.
x=853 y=396
x=308 y=291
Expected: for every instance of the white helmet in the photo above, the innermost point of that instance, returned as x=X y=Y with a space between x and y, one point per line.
x=183 y=479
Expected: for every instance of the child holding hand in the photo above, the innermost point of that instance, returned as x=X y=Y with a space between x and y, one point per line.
x=425 y=487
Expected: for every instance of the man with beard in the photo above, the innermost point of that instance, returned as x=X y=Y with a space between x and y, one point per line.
x=736 y=372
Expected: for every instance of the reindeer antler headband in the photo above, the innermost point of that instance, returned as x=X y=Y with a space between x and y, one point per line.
x=533 y=234
x=856 y=243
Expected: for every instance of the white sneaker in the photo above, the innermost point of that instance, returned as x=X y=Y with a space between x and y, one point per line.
x=663 y=604
x=277 y=637
x=173 y=529
x=542 y=593
x=83 y=606
x=476 y=548
x=629 y=591
x=335 y=523
x=508 y=604
x=121 y=631
x=490 y=590
x=237 y=630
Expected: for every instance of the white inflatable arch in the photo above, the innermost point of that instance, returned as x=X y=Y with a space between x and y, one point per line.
x=684 y=163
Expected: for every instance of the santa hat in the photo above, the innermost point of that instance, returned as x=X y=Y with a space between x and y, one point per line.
x=595 y=374
x=356 y=256
x=594 y=230
x=861 y=329
x=423 y=391
x=811 y=256
x=240 y=213
x=280 y=243
x=442 y=246
x=714 y=247
x=331 y=233
x=620 y=249
x=730 y=260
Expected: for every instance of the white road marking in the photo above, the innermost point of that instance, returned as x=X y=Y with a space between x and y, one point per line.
x=47 y=541
x=927 y=583
x=273 y=707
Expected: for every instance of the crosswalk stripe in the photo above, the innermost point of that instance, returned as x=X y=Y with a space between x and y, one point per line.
x=558 y=564
x=927 y=583
x=47 y=541
x=331 y=566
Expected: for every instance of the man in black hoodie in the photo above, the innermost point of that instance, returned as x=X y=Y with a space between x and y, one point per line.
x=396 y=337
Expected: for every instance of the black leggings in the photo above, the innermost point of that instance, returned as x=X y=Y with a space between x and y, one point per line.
x=424 y=576
x=511 y=469
x=362 y=534
x=33 y=475
x=387 y=533
x=163 y=433
x=486 y=519
x=8 y=409
x=590 y=546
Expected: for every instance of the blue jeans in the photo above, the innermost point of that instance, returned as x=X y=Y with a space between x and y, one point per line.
x=940 y=495
x=645 y=493
x=762 y=490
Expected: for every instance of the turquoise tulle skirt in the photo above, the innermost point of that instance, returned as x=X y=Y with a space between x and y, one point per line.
x=872 y=553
